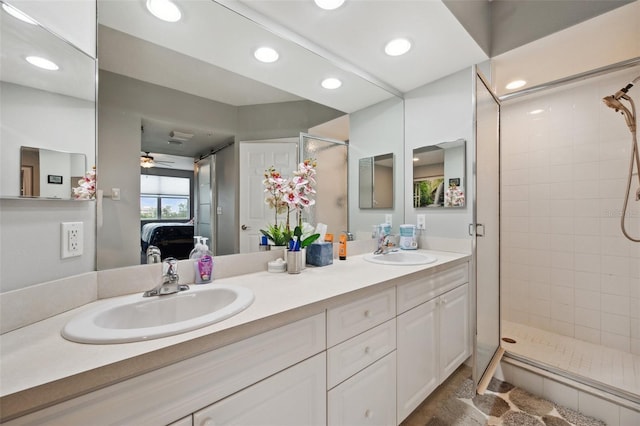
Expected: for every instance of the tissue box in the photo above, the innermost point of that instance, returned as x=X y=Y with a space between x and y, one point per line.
x=320 y=254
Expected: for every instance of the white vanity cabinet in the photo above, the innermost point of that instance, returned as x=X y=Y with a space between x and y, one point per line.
x=178 y=390
x=361 y=361
x=433 y=336
x=293 y=397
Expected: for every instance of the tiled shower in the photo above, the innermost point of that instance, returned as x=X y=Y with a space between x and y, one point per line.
x=566 y=267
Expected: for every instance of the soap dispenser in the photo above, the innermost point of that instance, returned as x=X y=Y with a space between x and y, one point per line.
x=202 y=261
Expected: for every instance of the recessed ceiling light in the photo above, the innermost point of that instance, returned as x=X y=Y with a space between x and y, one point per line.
x=43 y=63
x=17 y=14
x=266 y=54
x=397 y=47
x=331 y=83
x=515 y=84
x=165 y=10
x=329 y=4
x=536 y=111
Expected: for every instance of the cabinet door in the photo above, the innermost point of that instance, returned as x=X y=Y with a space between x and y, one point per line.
x=368 y=398
x=295 y=396
x=454 y=330
x=417 y=356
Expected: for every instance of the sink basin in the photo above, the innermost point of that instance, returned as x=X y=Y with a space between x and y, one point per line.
x=135 y=318
x=400 y=258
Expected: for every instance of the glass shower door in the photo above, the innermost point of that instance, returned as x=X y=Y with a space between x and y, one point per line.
x=486 y=230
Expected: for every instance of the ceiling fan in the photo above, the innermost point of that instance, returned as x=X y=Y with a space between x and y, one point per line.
x=147 y=161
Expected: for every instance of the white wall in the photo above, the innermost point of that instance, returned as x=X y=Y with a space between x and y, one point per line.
x=374 y=131
x=30 y=230
x=566 y=266
x=439 y=112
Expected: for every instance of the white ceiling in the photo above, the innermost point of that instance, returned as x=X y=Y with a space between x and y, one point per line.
x=212 y=39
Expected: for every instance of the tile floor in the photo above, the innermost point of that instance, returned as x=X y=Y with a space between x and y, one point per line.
x=609 y=366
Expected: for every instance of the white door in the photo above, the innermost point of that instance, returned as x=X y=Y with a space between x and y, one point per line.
x=255 y=158
x=454 y=330
x=417 y=356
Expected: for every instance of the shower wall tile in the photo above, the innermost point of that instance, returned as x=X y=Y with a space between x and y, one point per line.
x=587 y=334
x=563 y=180
x=589 y=318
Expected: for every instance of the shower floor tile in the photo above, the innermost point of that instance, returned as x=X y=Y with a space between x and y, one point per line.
x=609 y=366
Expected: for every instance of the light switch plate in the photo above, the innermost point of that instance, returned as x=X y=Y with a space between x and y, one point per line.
x=71 y=239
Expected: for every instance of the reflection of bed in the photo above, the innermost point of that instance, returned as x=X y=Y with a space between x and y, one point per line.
x=172 y=238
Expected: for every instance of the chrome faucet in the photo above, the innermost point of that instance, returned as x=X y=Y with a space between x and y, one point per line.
x=153 y=255
x=384 y=244
x=169 y=283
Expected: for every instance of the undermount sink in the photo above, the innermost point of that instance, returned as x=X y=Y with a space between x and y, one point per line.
x=135 y=318
x=400 y=258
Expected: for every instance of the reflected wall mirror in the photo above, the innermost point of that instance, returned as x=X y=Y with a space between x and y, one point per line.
x=52 y=108
x=50 y=174
x=376 y=182
x=439 y=175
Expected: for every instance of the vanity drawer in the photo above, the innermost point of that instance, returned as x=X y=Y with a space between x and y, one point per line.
x=347 y=358
x=421 y=290
x=353 y=318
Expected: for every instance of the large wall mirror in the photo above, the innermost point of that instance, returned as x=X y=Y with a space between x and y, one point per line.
x=439 y=175
x=170 y=92
x=48 y=98
x=376 y=182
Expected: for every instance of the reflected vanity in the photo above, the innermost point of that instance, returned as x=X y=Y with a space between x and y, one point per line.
x=438 y=175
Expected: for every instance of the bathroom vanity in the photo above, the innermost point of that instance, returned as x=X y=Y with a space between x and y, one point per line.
x=347 y=344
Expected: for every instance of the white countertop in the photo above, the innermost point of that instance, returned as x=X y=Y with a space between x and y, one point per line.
x=39 y=367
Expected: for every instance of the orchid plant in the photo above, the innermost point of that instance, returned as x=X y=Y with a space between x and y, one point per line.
x=87 y=186
x=288 y=195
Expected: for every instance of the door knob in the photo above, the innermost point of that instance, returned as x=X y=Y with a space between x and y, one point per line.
x=245 y=227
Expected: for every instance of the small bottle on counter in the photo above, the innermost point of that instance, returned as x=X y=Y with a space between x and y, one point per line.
x=342 y=248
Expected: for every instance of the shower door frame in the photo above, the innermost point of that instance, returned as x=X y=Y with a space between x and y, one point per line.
x=481 y=374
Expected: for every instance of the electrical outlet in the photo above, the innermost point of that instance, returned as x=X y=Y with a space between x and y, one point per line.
x=420 y=221
x=388 y=218
x=71 y=239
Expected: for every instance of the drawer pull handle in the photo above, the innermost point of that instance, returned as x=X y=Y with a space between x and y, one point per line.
x=368 y=414
x=367 y=314
x=367 y=350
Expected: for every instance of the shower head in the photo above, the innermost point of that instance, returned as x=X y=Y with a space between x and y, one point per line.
x=613 y=102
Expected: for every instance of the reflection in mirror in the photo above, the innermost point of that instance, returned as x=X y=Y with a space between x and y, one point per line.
x=50 y=174
x=376 y=182
x=331 y=181
x=224 y=100
x=438 y=175
x=51 y=108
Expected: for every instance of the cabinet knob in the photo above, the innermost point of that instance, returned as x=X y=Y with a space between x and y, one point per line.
x=368 y=414
x=367 y=314
x=367 y=349
x=208 y=422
